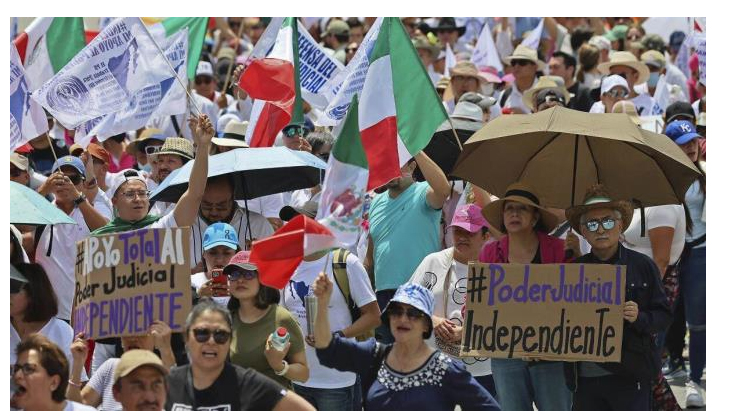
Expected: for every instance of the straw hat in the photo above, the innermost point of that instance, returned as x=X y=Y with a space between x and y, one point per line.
x=554 y=83
x=628 y=108
x=519 y=193
x=625 y=58
x=597 y=197
x=525 y=53
x=467 y=68
x=234 y=135
x=177 y=146
x=422 y=43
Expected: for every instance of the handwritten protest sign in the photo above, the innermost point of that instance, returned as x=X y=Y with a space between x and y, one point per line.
x=125 y=281
x=569 y=312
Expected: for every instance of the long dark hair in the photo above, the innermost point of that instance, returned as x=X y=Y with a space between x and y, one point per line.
x=265 y=297
x=42 y=305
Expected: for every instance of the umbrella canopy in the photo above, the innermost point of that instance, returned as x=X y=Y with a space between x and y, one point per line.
x=27 y=207
x=256 y=172
x=562 y=152
x=443 y=149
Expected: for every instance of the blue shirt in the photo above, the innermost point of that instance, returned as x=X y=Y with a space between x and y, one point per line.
x=404 y=230
x=440 y=383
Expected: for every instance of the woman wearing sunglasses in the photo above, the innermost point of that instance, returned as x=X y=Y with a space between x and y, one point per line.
x=614 y=89
x=256 y=315
x=210 y=383
x=408 y=374
x=625 y=385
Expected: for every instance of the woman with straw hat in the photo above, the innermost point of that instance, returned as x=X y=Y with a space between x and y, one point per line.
x=525 y=223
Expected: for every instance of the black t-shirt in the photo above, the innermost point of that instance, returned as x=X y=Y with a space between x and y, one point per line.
x=43 y=159
x=236 y=389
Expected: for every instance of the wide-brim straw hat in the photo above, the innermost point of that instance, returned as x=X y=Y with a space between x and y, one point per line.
x=234 y=135
x=177 y=146
x=519 y=193
x=597 y=197
x=467 y=68
x=525 y=53
x=545 y=83
x=626 y=58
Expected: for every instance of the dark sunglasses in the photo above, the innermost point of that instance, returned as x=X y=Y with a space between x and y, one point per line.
x=294 y=131
x=15 y=172
x=514 y=63
x=199 y=80
x=202 y=335
x=398 y=311
x=593 y=225
x=75 y=178
x=235 y=275
x=150 y=150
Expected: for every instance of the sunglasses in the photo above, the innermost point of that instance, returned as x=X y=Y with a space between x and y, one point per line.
x=150 y=150
x=593 y=225
x=15 y=172
x=514 y=63
x=398 y=311
x=75 y=178
x=617 y=93
x=202 y=335
x=200 y=80
x=27 y=368
x=235 y=275
x=294 y=131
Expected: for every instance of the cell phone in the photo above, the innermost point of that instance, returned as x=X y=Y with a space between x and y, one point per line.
x=218 y=277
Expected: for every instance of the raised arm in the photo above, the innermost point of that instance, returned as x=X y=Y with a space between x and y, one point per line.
x=185 y=211
x=440 y=188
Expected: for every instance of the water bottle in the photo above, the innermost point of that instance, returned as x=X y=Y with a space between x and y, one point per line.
x=311 y=311
x=280 y=338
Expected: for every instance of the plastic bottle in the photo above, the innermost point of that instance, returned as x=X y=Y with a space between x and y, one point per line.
x=280 y=338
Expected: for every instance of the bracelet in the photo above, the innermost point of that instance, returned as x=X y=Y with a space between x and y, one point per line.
x=74 y=384
x=80 y=199
x=286 y=367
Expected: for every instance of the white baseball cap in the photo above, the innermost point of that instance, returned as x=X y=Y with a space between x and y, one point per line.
x=609 y=82
x=204 y=68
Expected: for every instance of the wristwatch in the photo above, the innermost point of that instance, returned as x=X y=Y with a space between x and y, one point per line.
x=82 y=197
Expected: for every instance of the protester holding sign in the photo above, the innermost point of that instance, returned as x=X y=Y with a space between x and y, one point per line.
x=130 y=196
x=210 y=383
x=625 y=385
x=405 y=375
x=256 y=315
x=524 y=221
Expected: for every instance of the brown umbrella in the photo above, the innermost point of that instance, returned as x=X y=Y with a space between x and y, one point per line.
x=562 y=152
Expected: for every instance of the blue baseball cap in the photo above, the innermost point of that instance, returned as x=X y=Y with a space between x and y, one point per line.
x=414 y=295
x=219 y=234
x=72 y=161
x=681 y=132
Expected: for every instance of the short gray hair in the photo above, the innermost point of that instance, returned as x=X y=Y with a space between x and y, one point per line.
x=207 y=304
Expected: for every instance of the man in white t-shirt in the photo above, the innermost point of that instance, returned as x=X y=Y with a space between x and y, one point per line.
x=55 y=244
x=525 y=63
x=329 y=389
x=445 y=274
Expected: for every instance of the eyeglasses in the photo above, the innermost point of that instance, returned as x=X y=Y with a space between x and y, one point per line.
x=27 y=368
x=514 y=63
x=200 y=80
x=214 y=207
x=593 y=225
x=617 y=93
x=294 y=131
x=150 y=150
x=202 y=335
x=236 y=275
x=398 y=311
x=142 y=194
x=15 y=172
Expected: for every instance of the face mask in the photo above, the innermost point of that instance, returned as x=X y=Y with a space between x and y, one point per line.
x=146 y=168
x=653 y=79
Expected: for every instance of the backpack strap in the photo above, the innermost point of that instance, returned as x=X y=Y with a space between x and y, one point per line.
x=505 y=96
x=340 y=275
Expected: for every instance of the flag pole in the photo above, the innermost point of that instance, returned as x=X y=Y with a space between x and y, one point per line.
x=230 y=66
x=53 y=152
x=453 y=130
x=174 y=72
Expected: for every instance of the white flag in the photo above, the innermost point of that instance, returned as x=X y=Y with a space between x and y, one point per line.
x=450 y=61
x=105 y=75
x=485 y=53
x=157 y=99
x=534 y=37
x=27 y=118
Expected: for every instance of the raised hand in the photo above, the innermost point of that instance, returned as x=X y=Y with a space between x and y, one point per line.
x=322 y=289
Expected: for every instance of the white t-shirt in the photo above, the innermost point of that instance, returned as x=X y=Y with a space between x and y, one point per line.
x=75 y=406
x=267 y=206
x=515 y=100
x=58 y=332
x=103 y=205
x=430 y=275
x=198 y=279
x=671 y=215
x=59 y=266
x=102 y=383
x=260 y=228
x=338 y=312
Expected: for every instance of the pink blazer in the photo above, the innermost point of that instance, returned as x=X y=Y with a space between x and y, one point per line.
x=552 y=250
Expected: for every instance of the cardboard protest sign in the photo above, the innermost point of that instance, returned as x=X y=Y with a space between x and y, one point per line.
x=571 y=312
x=125 y=281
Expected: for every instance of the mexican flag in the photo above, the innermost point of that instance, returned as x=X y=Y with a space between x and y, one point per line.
x=279 y=255
x=47 y=45
x=342 y=199
x=166 y=28
x=274 y=80
x=399 y=109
